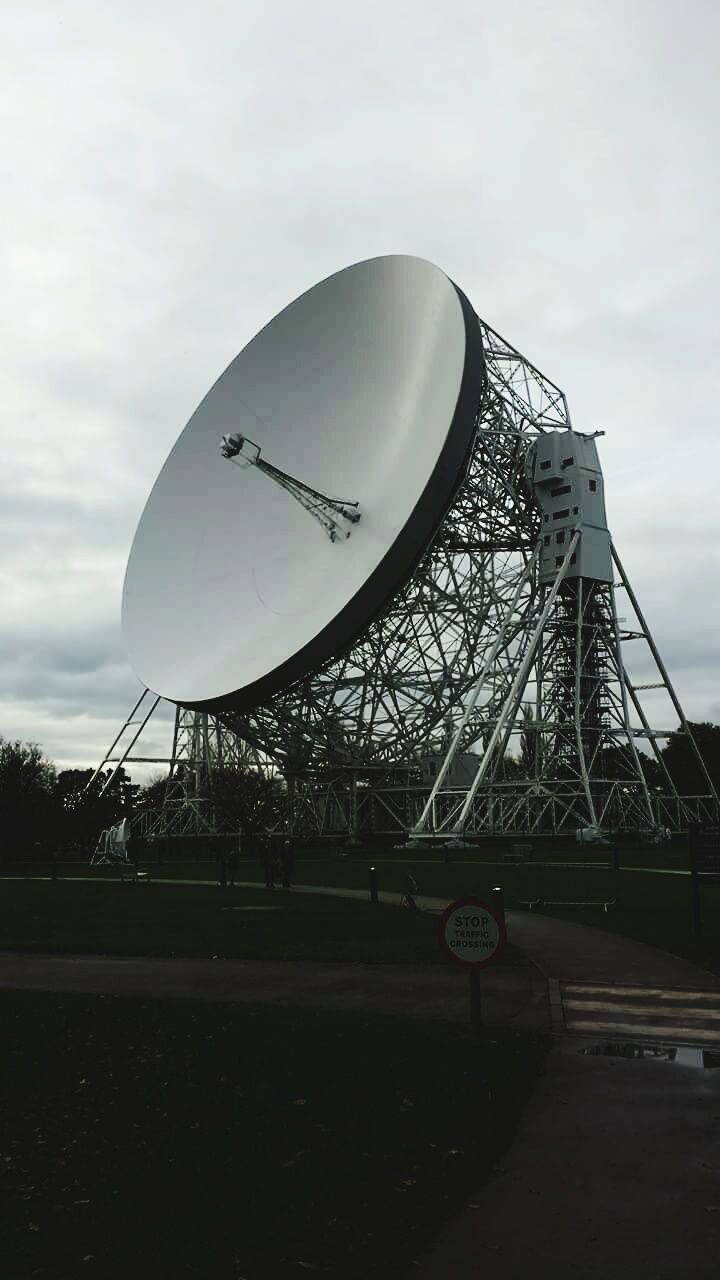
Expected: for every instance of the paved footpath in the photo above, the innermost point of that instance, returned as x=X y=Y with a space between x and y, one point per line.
x=515 y=993
x=614 y=1172
x=615 y=1168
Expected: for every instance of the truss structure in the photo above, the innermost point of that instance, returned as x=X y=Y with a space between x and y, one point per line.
x=578 y=757
x=386 y=701
x=201 y=747
x=462 y=640
x=335 y=515
x=483 y=651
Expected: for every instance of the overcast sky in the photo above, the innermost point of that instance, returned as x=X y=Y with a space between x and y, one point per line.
x=174 y=172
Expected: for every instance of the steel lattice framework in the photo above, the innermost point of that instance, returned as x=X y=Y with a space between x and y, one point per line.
x=387 y=700
x=350 y=737
x=478 y=650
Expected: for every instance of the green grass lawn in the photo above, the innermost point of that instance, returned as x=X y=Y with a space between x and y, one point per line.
x=182 y=1139
x=652 y=908
x=188 y=920
x=655 y=909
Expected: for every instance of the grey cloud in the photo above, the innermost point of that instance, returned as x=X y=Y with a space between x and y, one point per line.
x=179 y=173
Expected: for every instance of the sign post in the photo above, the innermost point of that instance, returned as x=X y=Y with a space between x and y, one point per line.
x=704 y=840
x=473 y=934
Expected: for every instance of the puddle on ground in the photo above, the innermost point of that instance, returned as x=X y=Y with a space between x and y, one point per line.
x=682 y=1055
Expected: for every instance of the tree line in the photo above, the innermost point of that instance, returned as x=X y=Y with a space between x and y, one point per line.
x=44 y=811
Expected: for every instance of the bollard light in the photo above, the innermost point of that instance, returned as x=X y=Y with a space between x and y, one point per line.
x=498 y=898
x=374 y=885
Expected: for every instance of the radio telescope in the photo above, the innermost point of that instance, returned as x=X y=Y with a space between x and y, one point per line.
x=377 y=559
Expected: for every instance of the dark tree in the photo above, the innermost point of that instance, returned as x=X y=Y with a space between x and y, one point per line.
x=509 y=769
x=152 y=794
x=653 y=772
x=529 y=744
x=27 y=811
x=247 y=799
x=82 y=812
x=682 y=763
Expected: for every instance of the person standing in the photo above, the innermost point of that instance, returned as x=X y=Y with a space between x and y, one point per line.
x=287 y=861
x=268 y=859
x=233 y=862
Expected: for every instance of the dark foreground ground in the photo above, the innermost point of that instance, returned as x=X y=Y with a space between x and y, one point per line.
x=188 y=1139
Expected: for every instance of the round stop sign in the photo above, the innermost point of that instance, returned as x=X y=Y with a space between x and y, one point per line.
x=473 y=932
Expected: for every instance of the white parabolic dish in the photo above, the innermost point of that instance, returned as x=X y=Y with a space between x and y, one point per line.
x=366 y=388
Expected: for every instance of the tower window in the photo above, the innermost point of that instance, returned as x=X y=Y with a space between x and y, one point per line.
x=545 y=466
x=557 y=493
x=558 y=561
x=561 y=515
x=560 y=537
x=546 y=540
x=567 y=462
x=593 y=485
